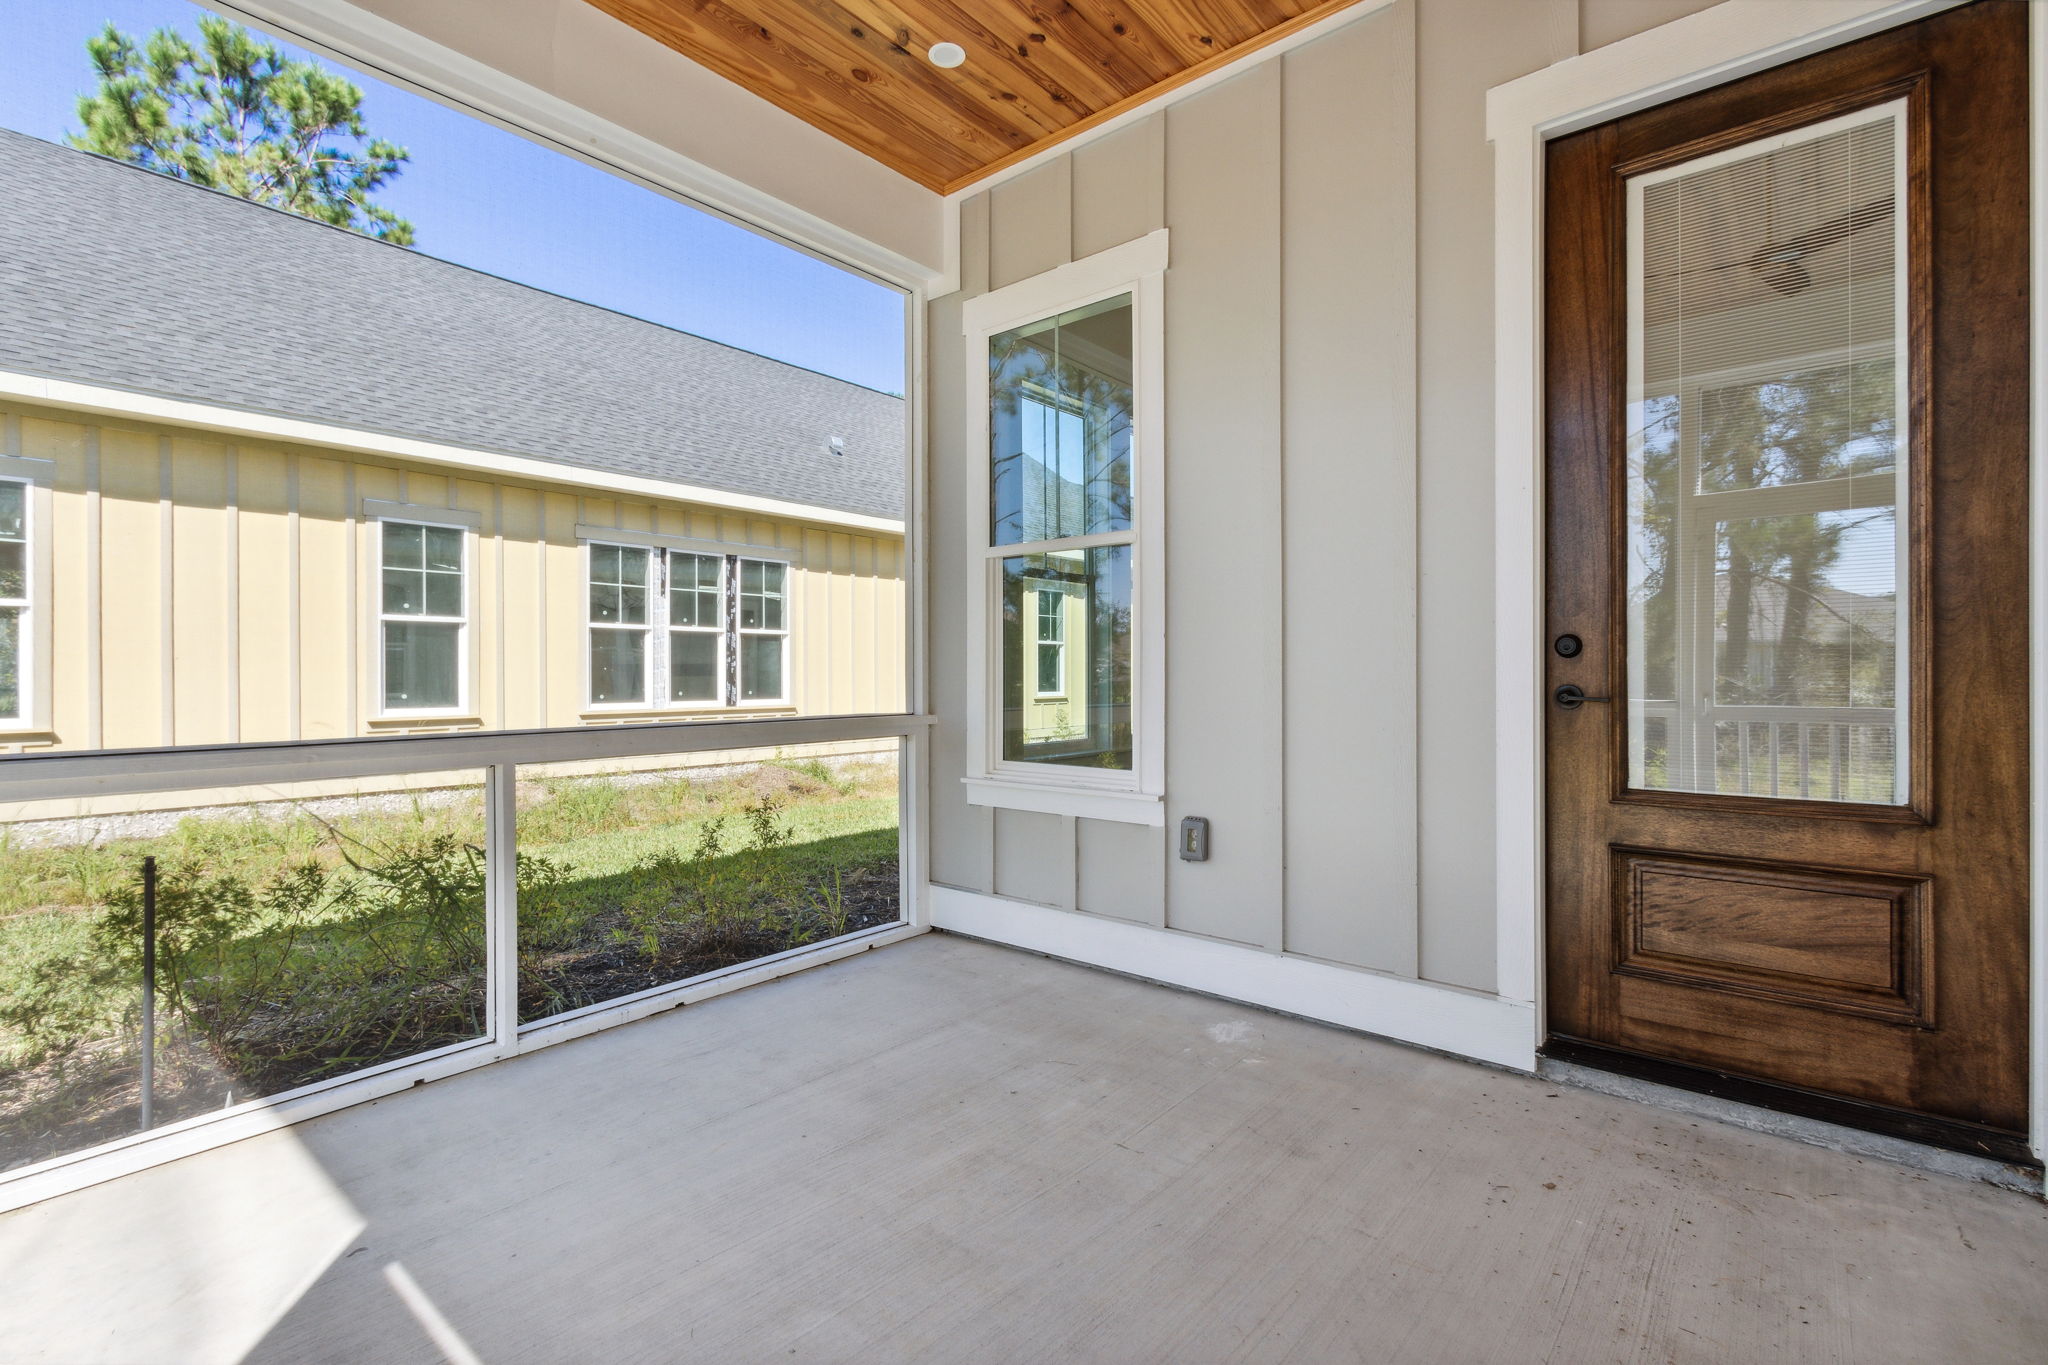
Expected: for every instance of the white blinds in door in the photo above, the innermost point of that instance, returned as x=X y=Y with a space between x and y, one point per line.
x=1767 y=624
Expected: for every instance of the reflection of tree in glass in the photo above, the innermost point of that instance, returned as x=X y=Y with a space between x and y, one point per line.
x=1824 y=423
x=1655 y=518
x=1110 y=666
x=1022 y=370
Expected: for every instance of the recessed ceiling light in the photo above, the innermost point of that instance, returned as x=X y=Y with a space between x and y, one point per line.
x=947 y=54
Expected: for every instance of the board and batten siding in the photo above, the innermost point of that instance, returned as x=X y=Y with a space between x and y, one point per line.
x=209 y=591
x=1329 y=486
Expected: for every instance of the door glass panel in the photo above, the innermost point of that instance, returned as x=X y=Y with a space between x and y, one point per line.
x=1768 y=630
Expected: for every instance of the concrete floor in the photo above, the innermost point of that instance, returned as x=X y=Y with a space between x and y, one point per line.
x=945 y=1151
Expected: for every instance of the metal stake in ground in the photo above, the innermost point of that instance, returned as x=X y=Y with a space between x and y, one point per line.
x=148 y=992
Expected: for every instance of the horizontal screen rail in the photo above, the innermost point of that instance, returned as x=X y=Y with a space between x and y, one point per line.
x=43 y=777
x=1764 y=713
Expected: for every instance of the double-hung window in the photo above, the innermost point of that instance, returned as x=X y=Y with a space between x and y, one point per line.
x=424 y=615
x=1067 y=697
x=713 y=627
x=696 y=627
x=15 y=571
x=763 y=630
x=621 y=623
x=1052 y=642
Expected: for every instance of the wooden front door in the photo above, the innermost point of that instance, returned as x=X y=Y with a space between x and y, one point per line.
x=1787 y=585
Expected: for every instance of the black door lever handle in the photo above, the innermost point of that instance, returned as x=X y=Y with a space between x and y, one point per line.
x=1571 y=697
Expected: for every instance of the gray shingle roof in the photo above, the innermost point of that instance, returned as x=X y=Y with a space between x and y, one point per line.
x=114 y=275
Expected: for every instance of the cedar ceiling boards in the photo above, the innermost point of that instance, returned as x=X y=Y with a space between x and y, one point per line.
x=1036 y=73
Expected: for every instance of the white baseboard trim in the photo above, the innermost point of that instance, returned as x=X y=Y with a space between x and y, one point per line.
x=1485 y=1028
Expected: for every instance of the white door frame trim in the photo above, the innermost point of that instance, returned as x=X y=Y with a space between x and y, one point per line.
x=1704 y=49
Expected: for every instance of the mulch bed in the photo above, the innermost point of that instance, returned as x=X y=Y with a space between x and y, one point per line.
x=606 y=971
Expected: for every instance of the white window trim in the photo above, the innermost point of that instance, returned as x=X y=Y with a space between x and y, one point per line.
x=660 y=628
x=740 y=633
x=375 y=514
x=35 y=477
x=1137 y=268
x=670 y=630
x=655 y=583
x=1058 y=642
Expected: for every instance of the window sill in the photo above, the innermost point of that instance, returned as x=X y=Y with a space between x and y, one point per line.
x=656 y=713
x=425 y=720
x=1131 y=808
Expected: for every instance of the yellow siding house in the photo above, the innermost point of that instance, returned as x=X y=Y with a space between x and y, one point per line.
x=309 y=485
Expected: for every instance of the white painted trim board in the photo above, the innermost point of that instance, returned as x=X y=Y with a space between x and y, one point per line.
x=1485 y=1028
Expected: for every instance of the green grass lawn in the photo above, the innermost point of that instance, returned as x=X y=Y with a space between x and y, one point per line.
x=811 y=825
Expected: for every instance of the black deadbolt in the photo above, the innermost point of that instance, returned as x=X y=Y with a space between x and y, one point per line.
x=1568 y=646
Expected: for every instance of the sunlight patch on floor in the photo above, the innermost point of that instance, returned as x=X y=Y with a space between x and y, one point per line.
x=431 y=1319
x=148 y=1256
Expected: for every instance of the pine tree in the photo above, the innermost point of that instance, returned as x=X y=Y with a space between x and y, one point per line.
x=237 y=115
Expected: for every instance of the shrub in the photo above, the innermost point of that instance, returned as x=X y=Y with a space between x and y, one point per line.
x=320 y=968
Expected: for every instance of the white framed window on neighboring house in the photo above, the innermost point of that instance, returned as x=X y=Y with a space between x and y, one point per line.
x=1052 y=642
x=423 y=607
x=17 y=658
x=1065 y=404
x=711 y=623
x=763 y=631
x=621 y=607
x=696 y=628
x=24 y=595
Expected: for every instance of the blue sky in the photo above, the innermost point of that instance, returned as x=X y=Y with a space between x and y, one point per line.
x=489 y=199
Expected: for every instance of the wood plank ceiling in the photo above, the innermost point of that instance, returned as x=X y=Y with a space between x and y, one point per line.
x=1037 y=71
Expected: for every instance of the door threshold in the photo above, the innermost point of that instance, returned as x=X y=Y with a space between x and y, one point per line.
x=1946 y=1146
